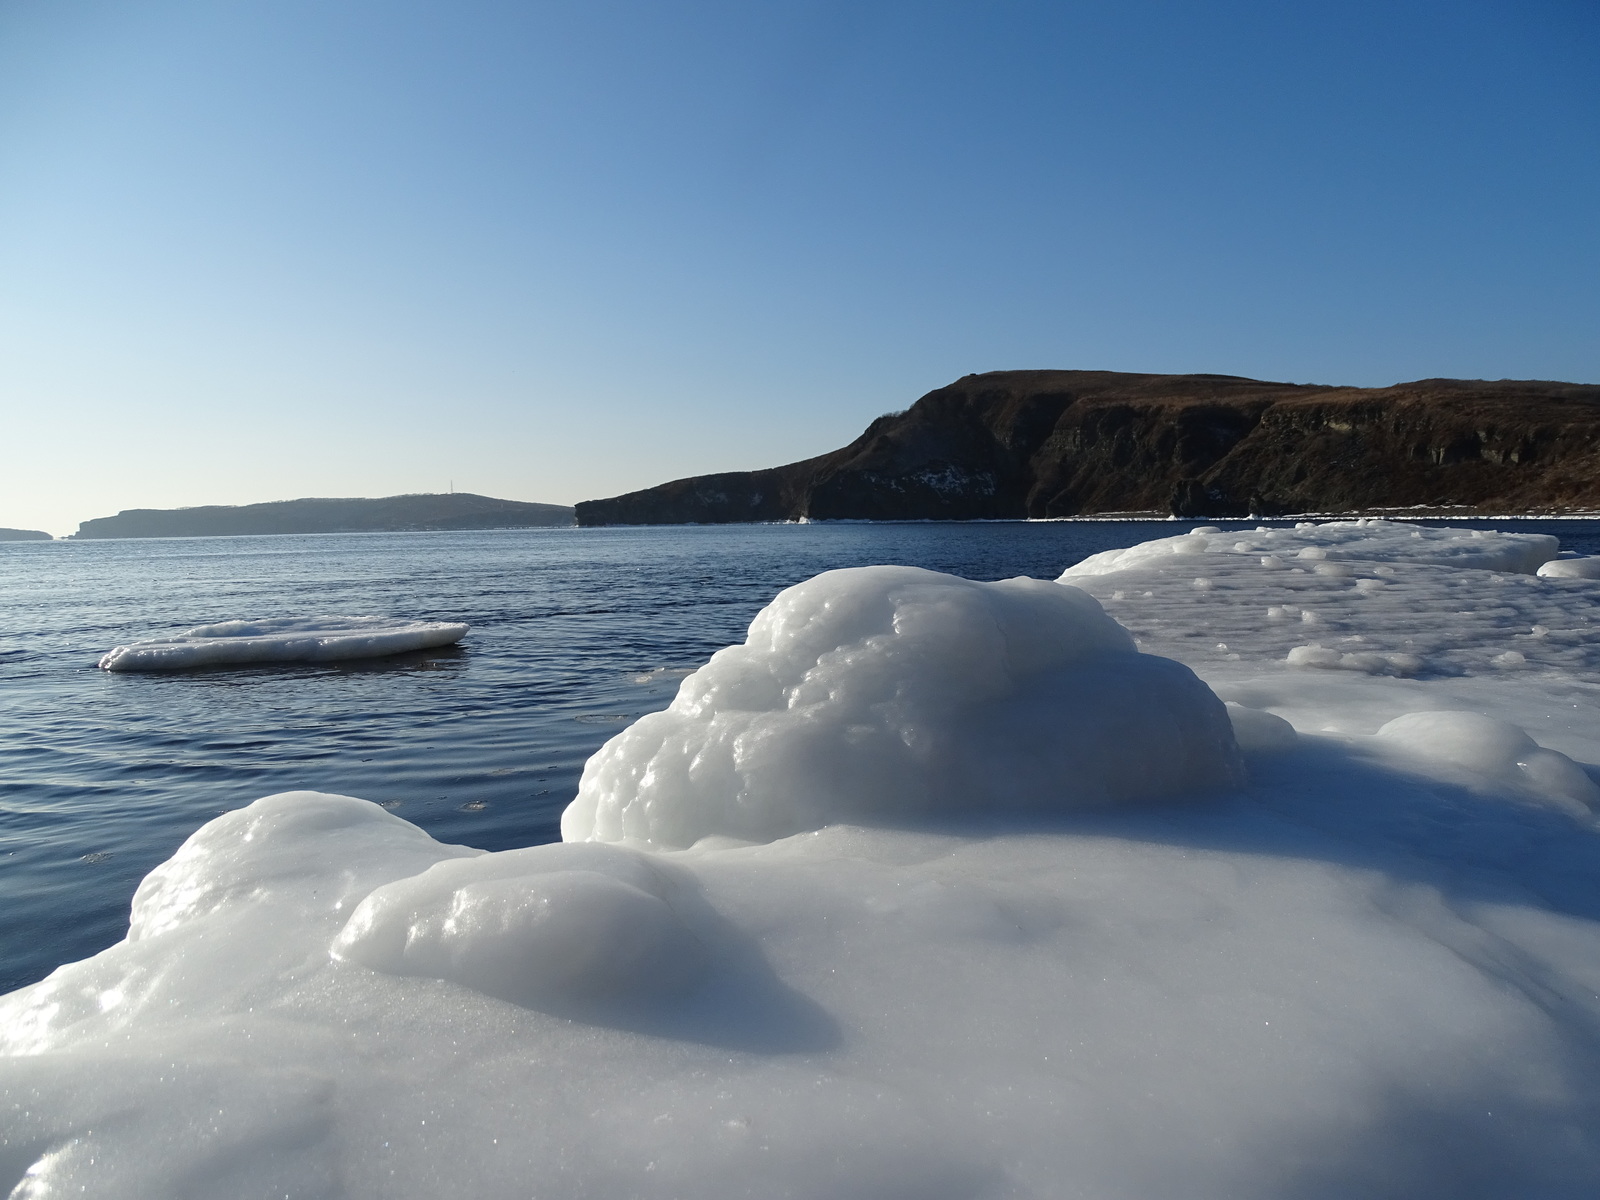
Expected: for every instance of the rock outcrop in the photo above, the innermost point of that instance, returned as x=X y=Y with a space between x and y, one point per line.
x=392 y=514
x=1010 y=444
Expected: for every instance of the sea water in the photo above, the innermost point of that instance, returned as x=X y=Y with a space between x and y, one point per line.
x=575 y=634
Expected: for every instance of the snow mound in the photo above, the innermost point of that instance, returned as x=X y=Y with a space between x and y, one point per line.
x=888 y=694
x=1368 y=662
x=267 y=851
x=1576 y=567
x=1366 y=540
x=554 y=927
x=1496 y=750
x=283 y=639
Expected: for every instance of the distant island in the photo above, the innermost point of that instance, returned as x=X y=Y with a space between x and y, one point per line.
x=391 y=514
x=24 y=535
x=1014 y=444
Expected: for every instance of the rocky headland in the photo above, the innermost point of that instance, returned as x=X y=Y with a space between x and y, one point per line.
x=391 y=514
x=24 y=535
x=1013 y=444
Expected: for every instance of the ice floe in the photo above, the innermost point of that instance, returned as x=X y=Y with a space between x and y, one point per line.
x=282 y=639
x=977 y=902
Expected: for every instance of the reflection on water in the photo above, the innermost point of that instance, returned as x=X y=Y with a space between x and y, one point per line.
x=438 y=658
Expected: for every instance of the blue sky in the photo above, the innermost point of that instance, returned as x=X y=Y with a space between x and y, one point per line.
x=259 y=249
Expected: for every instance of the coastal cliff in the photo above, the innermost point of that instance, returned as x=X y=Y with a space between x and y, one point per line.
x=1012 y=444
x=391 y=514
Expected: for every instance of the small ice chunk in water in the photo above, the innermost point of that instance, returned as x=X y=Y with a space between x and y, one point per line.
x=282 y=639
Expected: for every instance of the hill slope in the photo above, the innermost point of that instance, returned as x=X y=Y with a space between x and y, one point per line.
x=454 y=510
x=1010 y=444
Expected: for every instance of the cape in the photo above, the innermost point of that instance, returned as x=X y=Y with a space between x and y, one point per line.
x=1032 y=444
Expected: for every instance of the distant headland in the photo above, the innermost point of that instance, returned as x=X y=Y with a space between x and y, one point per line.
x=1014 y=444
x=24 y=535
x=391 y=514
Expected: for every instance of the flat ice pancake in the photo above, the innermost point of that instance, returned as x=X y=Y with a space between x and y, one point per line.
x=282 y=639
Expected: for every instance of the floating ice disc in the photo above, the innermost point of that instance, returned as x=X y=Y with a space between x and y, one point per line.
x=282 y=639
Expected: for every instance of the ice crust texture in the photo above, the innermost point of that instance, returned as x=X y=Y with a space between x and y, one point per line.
x=1368 y=541
x=282 y=639
x=1366 y=967
x=888 y=694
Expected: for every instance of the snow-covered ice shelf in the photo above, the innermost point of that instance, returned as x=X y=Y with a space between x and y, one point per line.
x=282 y=639
x=930 y=889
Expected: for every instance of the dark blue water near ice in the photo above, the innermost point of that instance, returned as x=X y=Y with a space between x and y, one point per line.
x=574 y=633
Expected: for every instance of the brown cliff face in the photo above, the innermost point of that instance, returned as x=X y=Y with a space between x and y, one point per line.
x=1066 y=443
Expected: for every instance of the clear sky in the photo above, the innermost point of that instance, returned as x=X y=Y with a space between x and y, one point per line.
x=259 y=249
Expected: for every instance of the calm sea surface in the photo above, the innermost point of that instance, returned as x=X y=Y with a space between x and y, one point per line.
x=575 y=632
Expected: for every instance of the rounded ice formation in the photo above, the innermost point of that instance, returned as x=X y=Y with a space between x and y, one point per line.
x=886 y=694
x=1368 y=662
x=557 y=926
x=264 y=854
x=1576 y=567
x=1498 y=750
x=282 y=639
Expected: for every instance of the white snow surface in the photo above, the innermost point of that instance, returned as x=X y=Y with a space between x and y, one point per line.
x=1369 y=967
x=282 y=639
